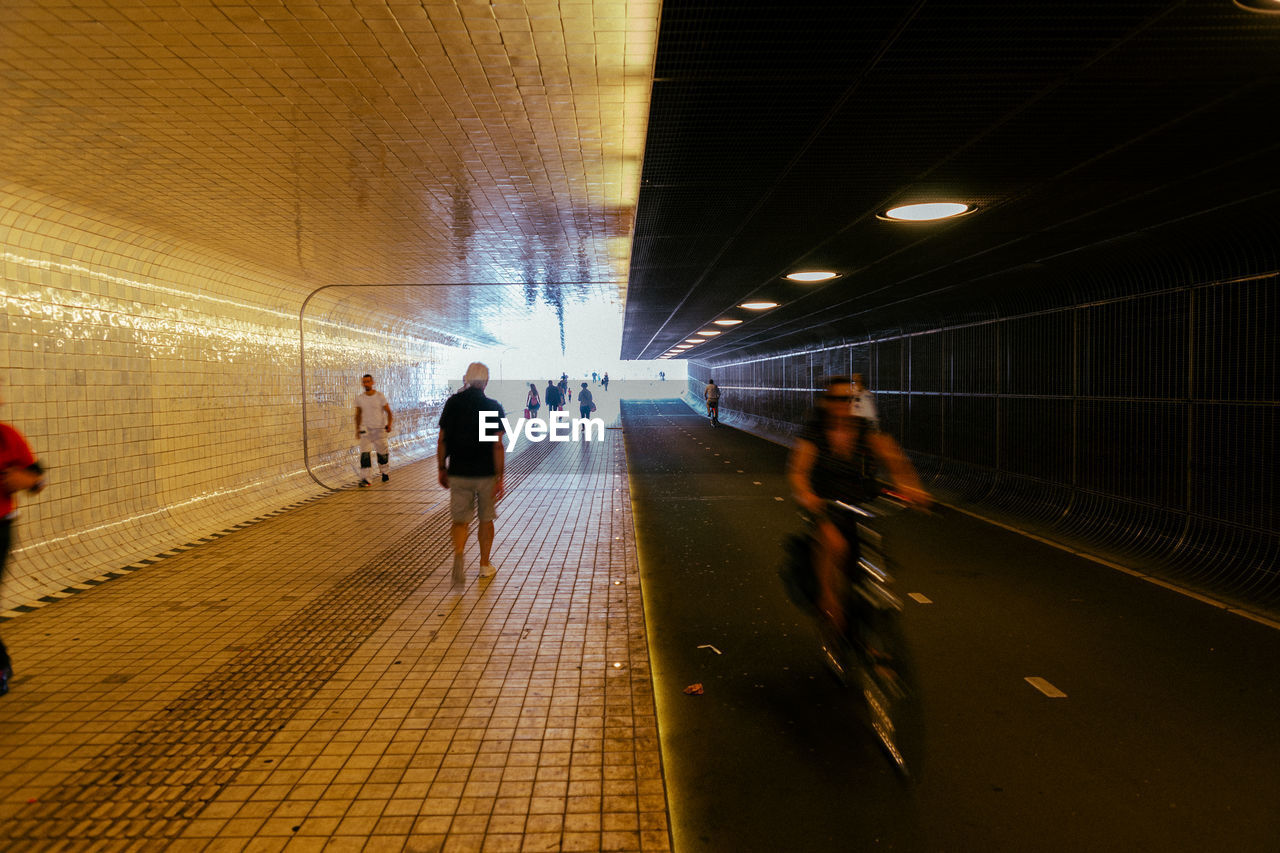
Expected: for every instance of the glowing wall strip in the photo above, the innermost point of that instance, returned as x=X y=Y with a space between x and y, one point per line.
x=159 y=384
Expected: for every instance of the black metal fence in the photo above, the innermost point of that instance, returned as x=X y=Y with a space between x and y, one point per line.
x=1144 y=427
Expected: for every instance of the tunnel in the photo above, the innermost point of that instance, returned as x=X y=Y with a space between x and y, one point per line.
x=217 y=217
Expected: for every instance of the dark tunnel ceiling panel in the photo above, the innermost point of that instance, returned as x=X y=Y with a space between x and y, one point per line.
x=1090 y=135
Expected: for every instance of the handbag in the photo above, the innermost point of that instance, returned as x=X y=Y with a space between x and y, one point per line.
x=527 y=416
x=593 y=407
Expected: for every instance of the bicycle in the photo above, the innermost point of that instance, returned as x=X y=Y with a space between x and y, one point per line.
x=869 y=653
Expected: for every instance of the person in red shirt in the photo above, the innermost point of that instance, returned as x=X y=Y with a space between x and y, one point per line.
x=19 y=471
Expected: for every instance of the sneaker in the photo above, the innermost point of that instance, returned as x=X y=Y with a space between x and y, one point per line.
x=459 y=573
x=488 y=570
x=364 y=484
x=385 y=478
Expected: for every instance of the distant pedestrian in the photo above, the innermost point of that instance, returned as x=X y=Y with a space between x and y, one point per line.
x=662 y=375
x=566 y=396
x=585 y=403
x=531 y=402
x=552 y=397
x=863 y=404
x=372 y=429
x=712 y=395
x=471 y=469
x=605 y=380
x=19 y=472
x=595 y=376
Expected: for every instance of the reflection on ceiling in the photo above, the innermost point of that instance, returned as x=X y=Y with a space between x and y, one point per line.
x=344 y=142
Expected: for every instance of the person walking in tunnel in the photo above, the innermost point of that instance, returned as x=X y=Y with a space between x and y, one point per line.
x=566 y=396
x=604 y=380
x=472 y=468
x=835 y=458
x=372 y=430
x=19 y=472
x=552 y=397
x=864 y=402
x=585 y=402
x=712 y=395
x=532 y=402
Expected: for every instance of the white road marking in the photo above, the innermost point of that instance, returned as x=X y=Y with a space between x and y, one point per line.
x=919 y=598
x=1045 y=687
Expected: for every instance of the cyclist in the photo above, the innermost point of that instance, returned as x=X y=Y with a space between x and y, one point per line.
x=835 y=458
x=712 y=395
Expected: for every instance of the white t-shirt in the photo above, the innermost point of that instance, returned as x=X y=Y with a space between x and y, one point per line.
x=370 y=406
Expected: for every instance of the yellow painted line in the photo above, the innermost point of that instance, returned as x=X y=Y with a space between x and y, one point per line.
x=1270 y=623
x=1045 y=687
x=1204 y=599
x=658 y=676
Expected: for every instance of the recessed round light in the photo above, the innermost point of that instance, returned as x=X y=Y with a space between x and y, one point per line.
x=695 y=340
x=758 y=306
x=726 y=322
x=816 y=275
x=708 y=332
x=926 y=212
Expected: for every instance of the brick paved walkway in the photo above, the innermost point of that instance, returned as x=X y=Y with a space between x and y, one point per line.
x=314 y=682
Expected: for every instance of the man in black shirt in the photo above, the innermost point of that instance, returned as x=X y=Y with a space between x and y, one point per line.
x=470 y=458
x=552 y=397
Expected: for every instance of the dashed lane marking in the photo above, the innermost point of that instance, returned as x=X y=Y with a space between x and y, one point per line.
x=1045 y=687
x=919 y=598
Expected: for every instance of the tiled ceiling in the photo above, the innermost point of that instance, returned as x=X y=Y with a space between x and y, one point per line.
x=1101 y=142
x=343 y=142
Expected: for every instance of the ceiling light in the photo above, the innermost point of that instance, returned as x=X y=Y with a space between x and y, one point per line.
x=684 y=346
x=816 y=275
x=926 y=212
x=758 y=306
x=708 y=332
x=695 y=340
x=726 y=322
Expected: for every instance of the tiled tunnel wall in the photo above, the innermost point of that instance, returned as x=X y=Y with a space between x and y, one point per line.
x=163 y=388
x=1145 y=428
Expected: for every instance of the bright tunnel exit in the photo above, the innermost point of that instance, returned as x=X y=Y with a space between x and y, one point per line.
x=417 y=340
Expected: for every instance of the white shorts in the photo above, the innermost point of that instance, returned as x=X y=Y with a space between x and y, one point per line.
x=374 y=439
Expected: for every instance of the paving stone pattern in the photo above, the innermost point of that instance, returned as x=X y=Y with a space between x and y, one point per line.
x=257 y=692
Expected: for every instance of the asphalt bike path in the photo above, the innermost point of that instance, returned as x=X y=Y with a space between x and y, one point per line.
x=1067 y=705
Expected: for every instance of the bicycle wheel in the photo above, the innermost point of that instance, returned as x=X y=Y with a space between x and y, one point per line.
x=888 y=685
x=836 y=653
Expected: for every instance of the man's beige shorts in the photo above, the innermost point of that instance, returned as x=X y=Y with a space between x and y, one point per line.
x=463 y=494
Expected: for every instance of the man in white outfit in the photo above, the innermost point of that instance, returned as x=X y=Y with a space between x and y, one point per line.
x=372 y=430
x=863 y=404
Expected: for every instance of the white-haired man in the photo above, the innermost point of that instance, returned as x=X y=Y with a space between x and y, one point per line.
x=471 y=469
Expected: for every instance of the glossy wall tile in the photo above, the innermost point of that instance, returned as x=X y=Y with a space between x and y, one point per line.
x=163 y=387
